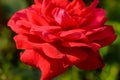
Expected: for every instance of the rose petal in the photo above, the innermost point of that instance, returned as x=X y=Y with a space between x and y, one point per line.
x=61 y=3
x=103 y=36
x=47 y=7
x=75 y=44
x=50 y=29
x=27 y=57
x=28 y=41
x=93 y=46
x=71 y=35
x=47 y=33
x=94 y=3
x=89 y=9
x=75 y=55
x=49 y=67
x=52 y=51
x=98 y=20
x=46 y=36
x=38 y=2
x=75 y=7
x=94 y=61
x=35 y=18
x=17 y=20
x=63 y=18
x=86 y=15
x=72 y=54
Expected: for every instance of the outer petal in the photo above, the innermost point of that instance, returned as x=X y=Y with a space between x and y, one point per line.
x=93 y=46
x=94 y=61
x=28 y=57
x=103 y=36
x=75 y=55
x=50 y=68
x=75 y=44
x=72 y=54
x=19 y=23
x=52 y=51
x=28 y=41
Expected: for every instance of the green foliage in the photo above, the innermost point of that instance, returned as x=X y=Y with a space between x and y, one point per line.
x=12 y=69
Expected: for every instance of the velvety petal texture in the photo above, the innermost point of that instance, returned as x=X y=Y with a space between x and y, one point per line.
x=57 y=34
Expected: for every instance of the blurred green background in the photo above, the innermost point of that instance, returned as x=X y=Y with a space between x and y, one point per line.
x=12 y=69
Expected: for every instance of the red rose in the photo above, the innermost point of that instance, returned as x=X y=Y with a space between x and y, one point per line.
x=56 y=34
